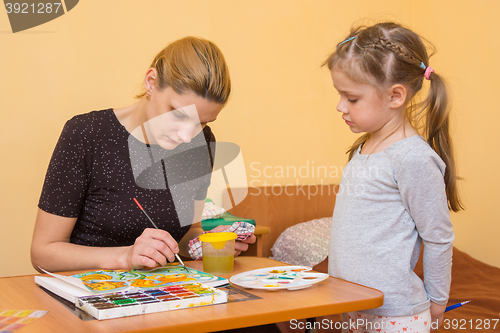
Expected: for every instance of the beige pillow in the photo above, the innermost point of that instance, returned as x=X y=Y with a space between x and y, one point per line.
x=305 y=244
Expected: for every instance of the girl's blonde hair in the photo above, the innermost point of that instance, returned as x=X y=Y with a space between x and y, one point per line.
x=387 y=54
x=194 y=64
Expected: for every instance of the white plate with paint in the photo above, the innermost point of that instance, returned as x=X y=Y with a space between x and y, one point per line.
x=279 y=277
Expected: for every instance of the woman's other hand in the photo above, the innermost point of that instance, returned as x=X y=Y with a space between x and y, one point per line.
x=239 y=246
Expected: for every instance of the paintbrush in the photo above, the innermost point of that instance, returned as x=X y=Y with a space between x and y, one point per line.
x=175 y=254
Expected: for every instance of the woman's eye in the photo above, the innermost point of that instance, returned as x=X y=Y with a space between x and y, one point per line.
x=179 y=115
x=352 y=100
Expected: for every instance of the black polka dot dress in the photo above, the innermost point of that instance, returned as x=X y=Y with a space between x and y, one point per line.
x=97 y=169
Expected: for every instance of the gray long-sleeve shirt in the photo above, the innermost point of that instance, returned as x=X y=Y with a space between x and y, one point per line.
x=388 y=204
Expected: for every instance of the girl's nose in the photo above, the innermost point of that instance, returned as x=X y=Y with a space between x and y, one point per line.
x=341 y=107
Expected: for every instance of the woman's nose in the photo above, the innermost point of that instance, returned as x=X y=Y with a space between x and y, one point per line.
x=185 y=134
x=189 y=131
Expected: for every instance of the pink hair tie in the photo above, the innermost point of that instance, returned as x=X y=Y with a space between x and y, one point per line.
x=428 y=71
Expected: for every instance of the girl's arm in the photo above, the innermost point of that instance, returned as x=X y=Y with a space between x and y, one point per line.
x=51 y=248
x=437 y=312
x=421 y=182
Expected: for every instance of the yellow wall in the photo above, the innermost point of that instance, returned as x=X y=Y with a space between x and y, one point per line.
x=282 y=112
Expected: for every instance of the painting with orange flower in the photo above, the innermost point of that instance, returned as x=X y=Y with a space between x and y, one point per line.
x=171 y=274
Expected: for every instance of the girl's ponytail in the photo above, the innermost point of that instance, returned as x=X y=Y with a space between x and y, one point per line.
x=437 y=134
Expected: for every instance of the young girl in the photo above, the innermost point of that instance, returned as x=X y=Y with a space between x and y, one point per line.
x=398 y=187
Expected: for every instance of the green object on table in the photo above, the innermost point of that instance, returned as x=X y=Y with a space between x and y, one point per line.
x=226 y=219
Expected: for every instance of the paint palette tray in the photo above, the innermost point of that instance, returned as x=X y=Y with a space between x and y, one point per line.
x=142 y=301
x=280 y=277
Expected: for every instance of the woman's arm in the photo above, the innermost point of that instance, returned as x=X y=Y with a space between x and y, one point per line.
x=51 y=248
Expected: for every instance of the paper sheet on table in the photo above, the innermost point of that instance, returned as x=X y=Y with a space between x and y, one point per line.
x=68 y=279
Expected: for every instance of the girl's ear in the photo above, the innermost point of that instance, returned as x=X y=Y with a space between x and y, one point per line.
x=398 y=96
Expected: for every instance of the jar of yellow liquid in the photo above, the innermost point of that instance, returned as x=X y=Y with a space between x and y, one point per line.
x=218 y=251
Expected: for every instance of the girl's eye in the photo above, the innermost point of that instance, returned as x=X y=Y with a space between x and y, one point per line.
x=352 y=100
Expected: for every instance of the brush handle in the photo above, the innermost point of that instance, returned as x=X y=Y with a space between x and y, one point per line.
x=138 y=204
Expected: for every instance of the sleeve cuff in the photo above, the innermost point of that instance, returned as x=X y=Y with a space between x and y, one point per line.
x=439 y=301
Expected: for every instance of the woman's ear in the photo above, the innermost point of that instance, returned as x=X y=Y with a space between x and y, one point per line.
x=398 y=96
x=150 y=80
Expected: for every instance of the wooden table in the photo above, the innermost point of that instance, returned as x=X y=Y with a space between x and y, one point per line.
x=327 y=297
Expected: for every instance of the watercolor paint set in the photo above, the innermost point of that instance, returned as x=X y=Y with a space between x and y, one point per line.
x=280 y=277
x=135 y=302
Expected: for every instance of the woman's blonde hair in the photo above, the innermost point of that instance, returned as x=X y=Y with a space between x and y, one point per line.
x=193 y=64
x=387 y=54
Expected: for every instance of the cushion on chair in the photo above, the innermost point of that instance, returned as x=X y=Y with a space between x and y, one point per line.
x=305 y=244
